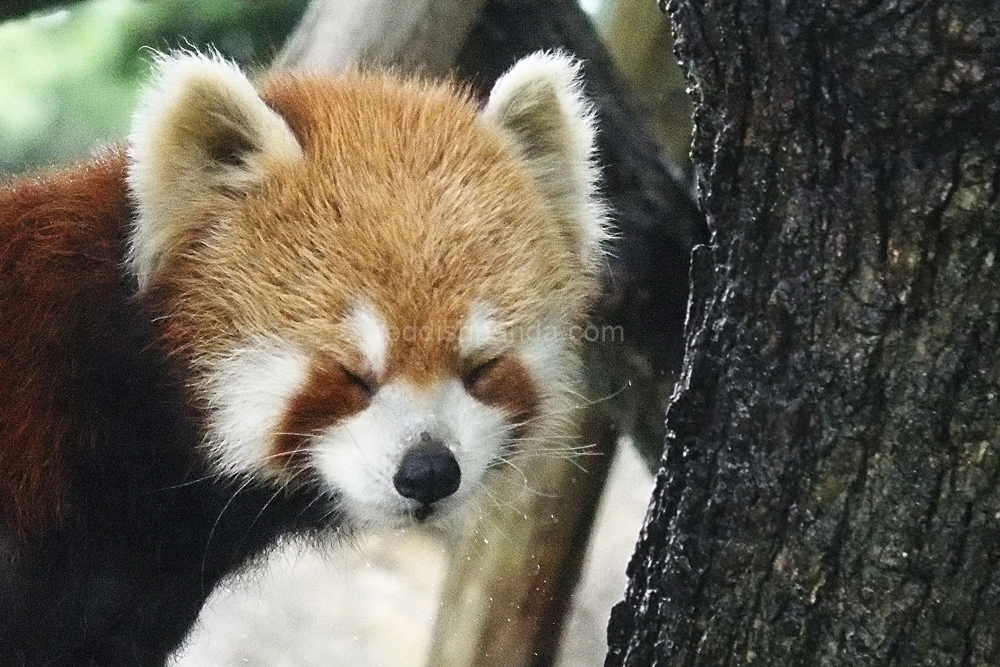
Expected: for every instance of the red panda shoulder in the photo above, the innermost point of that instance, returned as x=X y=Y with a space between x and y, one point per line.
x=62 y=239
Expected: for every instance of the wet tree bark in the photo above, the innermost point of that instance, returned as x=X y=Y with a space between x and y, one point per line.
x=830 y=493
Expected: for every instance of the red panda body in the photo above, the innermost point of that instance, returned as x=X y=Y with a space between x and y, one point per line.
x=333 y=303
x=104 y=551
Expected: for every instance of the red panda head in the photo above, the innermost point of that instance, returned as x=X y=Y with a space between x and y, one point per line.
x=370 y=284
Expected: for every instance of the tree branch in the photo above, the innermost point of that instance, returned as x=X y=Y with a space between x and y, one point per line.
x=424 y=34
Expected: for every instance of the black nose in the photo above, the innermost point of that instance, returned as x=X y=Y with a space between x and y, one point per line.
x=428 y=471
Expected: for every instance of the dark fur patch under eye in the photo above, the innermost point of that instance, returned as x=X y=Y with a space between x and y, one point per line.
x=331 y=393
x=505 y=383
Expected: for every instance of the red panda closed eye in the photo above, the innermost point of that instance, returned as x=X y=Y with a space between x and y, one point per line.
x=318 y=302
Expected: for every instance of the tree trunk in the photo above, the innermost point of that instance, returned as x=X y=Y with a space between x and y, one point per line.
x=830 y=493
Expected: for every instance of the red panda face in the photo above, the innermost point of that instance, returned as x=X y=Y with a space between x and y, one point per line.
x=370 y=285
x=386 y=444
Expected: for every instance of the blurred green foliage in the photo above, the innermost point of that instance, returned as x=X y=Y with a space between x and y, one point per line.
x=68 y=78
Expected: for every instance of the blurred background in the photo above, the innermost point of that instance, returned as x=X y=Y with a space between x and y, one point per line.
x=68 y=77
x=68 y=83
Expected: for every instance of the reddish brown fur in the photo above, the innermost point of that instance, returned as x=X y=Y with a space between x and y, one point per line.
x=138 y=384
x=62 y=238
x=406 y=200
x=411 y=203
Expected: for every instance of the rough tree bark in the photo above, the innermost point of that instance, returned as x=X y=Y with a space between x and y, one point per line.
x=830 y=493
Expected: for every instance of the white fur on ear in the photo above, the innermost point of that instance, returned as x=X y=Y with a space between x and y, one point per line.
x=200 y=130
x=540 y=104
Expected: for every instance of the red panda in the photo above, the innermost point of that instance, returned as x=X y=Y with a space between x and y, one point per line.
x=320 y=303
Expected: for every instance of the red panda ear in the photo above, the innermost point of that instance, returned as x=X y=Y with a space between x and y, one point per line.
x=200 y=131
x=539 y=104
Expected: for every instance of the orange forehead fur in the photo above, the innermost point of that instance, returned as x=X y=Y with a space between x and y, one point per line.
x=406 y=200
